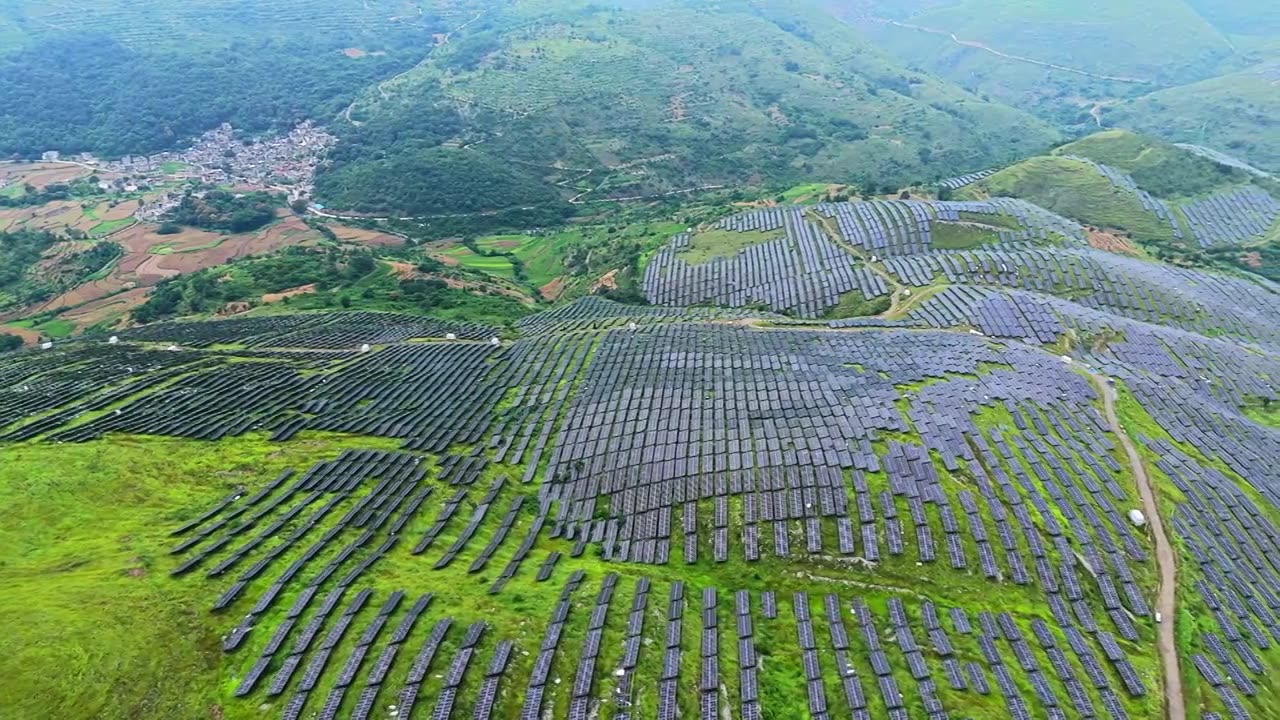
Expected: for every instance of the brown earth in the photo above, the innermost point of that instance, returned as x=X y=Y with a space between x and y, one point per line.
x=403 y=270
x=354 y=52
x=41 y=175
x=371 y=238
x=552 y=290
x=140 y=268
x=1110 y=241
x=609 y=281
x=1252 y=259
x=291 y=292
x=29 y=336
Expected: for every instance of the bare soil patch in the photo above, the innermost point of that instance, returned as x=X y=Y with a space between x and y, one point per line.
x=363 y=236
x=552 y=290
x=1252 y=259
x=1110 y=241
x=106 y=308
x=41 y=175
x=403 y=270
x=29 y=336
x=608 y=281
x=291 y=292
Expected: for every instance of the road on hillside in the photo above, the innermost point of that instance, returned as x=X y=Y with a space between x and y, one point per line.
x=1175 y=707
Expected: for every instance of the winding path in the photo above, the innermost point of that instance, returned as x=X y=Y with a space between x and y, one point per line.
x=1166 y=643
x=1007 y=56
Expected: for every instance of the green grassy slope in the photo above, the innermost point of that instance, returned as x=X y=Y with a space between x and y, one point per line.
x=672 y=96
x=1073 y=189
x=1160 y=168
x=1235 y=113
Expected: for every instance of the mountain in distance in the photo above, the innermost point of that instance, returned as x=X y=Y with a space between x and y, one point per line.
x=534 y=103
x=1187 y=71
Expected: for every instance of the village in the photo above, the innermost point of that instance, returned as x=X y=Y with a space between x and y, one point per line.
x=284 y=164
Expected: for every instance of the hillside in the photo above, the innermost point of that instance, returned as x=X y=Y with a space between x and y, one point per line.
x=1052 y=58
x=678 y=509
x=192 y=66
x=598 y=102
x=1160 y=168
x=1234 y=113
x=1076 y=190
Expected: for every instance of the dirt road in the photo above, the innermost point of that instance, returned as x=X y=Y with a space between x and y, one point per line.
x=1016 y=58
x=1175 y=707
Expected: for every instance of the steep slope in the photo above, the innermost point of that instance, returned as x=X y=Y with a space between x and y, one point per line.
x=664 y=97
x=1160 y=168
x=1074 y=189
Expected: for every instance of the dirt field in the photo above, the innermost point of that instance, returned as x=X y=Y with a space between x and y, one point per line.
x=150 y=257
x=292 y=292
x=552 y=290
x=41 y=175
x=371 y=238
x=29 y=336
x=1109 y=241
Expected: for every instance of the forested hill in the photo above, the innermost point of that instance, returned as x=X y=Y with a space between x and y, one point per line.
x=662 y=97
x=120 y=77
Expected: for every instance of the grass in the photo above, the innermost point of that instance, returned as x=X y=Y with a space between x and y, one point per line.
x=109 y=226
x=97 y=626
x=1075 y=190
x=493 y=264
x=1263 y=413
x=57 y=328
x=13 y=191
x=710 y=244
x=854 y=304
x=954 y=236
x=1231 y=113
x=1160 y=168
x=173 y=167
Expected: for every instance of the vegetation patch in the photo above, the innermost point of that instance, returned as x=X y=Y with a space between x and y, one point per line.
x=1075 y=190
x=707 y=245
x=959 y=236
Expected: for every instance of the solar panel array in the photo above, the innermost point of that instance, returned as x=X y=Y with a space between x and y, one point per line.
x=1232 y=217
x=802 y=273
x=1122 y=181
x=648 y=485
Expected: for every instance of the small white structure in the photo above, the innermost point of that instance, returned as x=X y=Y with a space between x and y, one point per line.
x=113 y=340
x=632 y=325
x=365 y=347
x=1159 y=617
x=495 y=341
x=906 y=292
x=173 y=348
x=1066 y=359
x=46 y=345
x=1137 y=518
x=874 y=259
x=450 y=336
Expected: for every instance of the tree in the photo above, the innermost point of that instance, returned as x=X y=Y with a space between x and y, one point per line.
x=169 y=228
x=299 y=206
x=9 y=343
x=360 y=265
